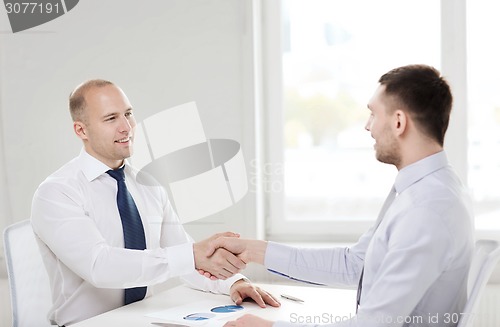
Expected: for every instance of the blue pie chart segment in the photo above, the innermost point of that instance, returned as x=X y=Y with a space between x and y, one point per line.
x=199 y=316
x=227 y=308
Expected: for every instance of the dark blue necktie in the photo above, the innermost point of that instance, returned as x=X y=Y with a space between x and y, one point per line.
x=133 y=231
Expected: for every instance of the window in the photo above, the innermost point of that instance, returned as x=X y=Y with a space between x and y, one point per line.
x=483 y=55
x=325 y=66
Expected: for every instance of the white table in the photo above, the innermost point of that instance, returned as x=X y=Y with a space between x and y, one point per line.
x=321 y=304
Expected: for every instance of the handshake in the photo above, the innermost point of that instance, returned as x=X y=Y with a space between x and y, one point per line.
x=223 y=255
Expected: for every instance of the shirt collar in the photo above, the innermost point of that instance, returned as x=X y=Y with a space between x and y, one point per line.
x=92 y=167
x=418 y=170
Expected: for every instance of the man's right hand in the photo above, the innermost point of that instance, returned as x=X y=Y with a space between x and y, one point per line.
x=247 y=250
x=220 y=263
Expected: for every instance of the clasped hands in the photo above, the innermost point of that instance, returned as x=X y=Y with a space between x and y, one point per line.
x=217 y=263
x=225 y=254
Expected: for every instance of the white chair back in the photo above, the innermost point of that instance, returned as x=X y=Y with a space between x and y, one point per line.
x=486 y=257
x=28 y=280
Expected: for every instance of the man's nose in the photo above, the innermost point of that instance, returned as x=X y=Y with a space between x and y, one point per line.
x=125 y=125
x=368 y=124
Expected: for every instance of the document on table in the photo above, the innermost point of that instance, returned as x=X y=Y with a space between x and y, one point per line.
x=205 y=312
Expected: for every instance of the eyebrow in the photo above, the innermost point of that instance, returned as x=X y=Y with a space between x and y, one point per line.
x=115 y=113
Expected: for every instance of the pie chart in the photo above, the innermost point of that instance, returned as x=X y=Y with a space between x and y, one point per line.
x=199 y=316
x=227 y=308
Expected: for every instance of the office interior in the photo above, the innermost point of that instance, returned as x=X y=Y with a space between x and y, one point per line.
x=226 y=55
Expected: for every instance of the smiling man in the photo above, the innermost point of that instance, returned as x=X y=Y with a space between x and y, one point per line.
x=104 y=237
x=106 y=126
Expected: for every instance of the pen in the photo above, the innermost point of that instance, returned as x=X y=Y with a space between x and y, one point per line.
x=292 y=298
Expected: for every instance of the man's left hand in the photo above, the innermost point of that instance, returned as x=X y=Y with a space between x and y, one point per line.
x=243 y=289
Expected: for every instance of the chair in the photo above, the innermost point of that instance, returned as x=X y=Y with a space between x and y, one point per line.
x=486 y=257
x=28 y=280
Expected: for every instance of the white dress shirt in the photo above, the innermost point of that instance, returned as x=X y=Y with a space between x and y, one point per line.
x=76 y=218
x=415 y=263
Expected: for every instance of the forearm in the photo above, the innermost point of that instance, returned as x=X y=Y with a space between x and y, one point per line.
x=256 y=251
x=327 y=266
x=72 y=238
x=119 y=268
x=105 y=266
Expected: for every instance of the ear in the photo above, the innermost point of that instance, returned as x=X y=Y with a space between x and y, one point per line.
x=400 y=122
x=80 y=130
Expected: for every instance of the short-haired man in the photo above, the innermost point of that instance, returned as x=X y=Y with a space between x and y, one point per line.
x=106 y=238
x=412 y=265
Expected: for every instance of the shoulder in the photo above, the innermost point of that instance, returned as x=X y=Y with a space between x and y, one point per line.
x=67 y=177
x=439 y=192
x=436 y=207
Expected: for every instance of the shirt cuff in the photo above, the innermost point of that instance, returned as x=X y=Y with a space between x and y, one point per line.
x=180 y=259
x=278 y=257
x=226 y=284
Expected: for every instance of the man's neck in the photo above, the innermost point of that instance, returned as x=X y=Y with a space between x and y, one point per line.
x=418 y=151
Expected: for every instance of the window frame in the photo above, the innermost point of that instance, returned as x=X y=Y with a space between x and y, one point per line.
x=453 y=67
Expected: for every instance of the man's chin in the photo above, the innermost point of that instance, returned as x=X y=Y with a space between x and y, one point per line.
x=382 y=158
x=390 y=160
x=125 y=155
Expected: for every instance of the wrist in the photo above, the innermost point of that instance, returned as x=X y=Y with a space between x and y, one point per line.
x=257 y=251
x=195 y=249
x=239 y=281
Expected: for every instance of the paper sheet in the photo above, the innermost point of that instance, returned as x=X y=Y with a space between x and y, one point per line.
x=209 y=312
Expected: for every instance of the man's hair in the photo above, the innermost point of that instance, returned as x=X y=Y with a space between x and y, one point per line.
x=77 y=101
x=425 y=94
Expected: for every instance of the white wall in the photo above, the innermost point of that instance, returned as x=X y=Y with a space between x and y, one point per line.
x=161 y=52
